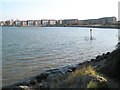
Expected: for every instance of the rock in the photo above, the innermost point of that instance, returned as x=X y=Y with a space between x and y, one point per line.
x=72 y=68
x=88 y=62
x=42 y=76
x=69 y=70
x=43 y=85
x=52 y=70
x=103 y=54
x=98 y=58
x=12 y=88
x=25 y=88
x=107 y=53
x=118 y=46
x=92 y=59
x=21 y=83
x=32 y=83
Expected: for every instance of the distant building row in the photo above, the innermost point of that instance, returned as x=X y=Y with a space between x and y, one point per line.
x=46 y=22
x=100 y=21
x=28 y=22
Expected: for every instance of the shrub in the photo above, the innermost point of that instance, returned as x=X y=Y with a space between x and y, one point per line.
x=80 y=73
x=84 y=71
x=98 y=80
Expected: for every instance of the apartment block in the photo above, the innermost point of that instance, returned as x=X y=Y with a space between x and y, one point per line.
x=70 y=21
x=24 y=23
x=17 y=23
x=59 y=22
x=108 y=20
x=45 y=22
x=37 y=22
x=52 y=22
x=30 y=22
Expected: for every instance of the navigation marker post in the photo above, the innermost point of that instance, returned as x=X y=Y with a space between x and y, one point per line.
x=91 y=34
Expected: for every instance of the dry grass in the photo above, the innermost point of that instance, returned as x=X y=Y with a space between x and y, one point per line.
x=86 y=70
x=92 y=84
x=80 y=73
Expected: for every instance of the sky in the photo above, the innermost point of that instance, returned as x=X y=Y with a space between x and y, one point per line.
x=57 y=9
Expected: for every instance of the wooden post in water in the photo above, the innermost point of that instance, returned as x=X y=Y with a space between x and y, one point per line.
x=91 y=34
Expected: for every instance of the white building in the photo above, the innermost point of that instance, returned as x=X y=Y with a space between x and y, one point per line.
x=17 y=23
x=45 y=22
x=60 y=22
x=23 y=23
x=37 y=22
x=30 y=22
x=52 y=22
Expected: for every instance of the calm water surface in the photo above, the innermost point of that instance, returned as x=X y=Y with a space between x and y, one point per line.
x=28 y=50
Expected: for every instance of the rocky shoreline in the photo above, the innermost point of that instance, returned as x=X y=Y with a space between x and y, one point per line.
x=108 y=64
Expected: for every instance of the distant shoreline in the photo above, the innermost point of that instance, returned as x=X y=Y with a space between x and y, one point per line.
x=92 y=26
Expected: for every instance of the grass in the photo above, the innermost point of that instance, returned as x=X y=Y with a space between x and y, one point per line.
x=93 y=84
x=90 y=71
x=80 y=73
x=84 y=71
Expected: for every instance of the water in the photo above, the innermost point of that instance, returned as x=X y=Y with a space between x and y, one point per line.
x=28 y=50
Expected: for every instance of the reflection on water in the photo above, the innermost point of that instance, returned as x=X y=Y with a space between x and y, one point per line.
x=29 y=50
